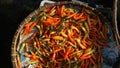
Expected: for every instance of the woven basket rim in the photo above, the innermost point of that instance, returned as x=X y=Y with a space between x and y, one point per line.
x=35 y=12
x=115 y=7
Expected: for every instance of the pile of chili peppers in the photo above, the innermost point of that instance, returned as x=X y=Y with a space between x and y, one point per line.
x=64 y=38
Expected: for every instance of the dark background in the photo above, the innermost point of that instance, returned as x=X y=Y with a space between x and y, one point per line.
x=12 y=13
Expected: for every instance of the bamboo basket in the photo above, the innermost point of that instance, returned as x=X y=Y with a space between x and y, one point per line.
x=36 y=12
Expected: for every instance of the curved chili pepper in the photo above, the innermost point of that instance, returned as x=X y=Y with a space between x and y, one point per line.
x=70 y=36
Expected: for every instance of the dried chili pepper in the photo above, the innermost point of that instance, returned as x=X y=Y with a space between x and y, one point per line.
x=64 y=37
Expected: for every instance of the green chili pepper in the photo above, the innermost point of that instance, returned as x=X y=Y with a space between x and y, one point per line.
x=102 y=34
x=43 y=16
x=36 y=48
x=72 y=44
x=60 y=28
x=83 y=28
x=38 y=27
x=57 y=42
x=22 y=47
x=88 y=53
x=63 y=19
x=48 y=65
x=69 y=63
x=41 y=38
x=33 y=19
x=76 y=52
x=33 y=62
x=51 y=27
x=87 y=28
x=92 y=13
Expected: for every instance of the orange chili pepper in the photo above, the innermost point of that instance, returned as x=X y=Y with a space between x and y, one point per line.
x=80 y=54
x=79 y=43
x=85 y=57
x=78 y=16
x=62 y=10
x=34 y=56
x=29 y=27
x=27 y=55
x=87 y=50
x=32 y=25
x=18 y=62
x=28 y=24
x=58 y=50
x=87 y=11
x=70 y=37
x=70 y=16
x=57 y=38
x=25 y=32
x=57 y=21
x=52 y=9
x=48 y=22
x=39 y=66
x=27 y=48
x=74 y=28
x=84 y=43
x=63 y=34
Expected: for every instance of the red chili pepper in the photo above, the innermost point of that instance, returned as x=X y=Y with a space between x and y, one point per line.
x=89 y=23
x=96 y=44
x=105 y=31
x=33 y=35
x=59 y=65
x=87 y=64
x=99 y=58
x=68 y=51
x=102 y=43
x=92 y=61
x=37 y=41
x=29 y=26
x=32 y=25
x=53 y=57
x=99 y=23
